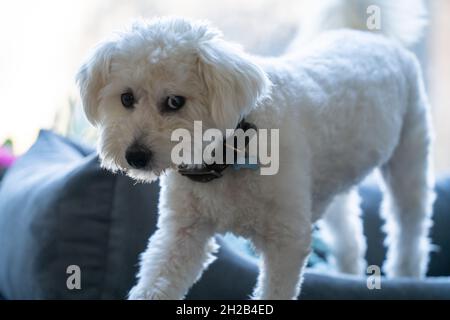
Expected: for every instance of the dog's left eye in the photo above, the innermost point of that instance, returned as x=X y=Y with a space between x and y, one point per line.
x=127 y=99
x=173 y=102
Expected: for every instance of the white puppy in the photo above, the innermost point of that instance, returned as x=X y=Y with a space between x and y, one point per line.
x=345 y=103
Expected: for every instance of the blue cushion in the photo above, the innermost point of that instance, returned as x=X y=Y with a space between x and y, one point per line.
x=57 y=208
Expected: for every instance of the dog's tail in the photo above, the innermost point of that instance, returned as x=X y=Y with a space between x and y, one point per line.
x=402 y=20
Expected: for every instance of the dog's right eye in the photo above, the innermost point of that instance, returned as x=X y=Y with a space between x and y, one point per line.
x=127 y=99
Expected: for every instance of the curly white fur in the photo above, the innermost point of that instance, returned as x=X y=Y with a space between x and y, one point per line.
x=346 y=103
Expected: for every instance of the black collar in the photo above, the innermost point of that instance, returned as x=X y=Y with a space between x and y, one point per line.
x=209 y=172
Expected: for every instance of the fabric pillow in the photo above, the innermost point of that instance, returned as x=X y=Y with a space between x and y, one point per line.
x=57 y=208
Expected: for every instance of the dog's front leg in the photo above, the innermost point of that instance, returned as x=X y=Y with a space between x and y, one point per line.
x=282 y=266
x=175 y=258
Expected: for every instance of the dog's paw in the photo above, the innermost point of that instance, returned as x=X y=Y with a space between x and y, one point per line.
x=147 y=293
x=137 y=293
x=403 y=270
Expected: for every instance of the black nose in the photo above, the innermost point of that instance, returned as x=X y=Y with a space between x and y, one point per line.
x=138 y=156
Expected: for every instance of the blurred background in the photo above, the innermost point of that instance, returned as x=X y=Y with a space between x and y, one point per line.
x=43 y=43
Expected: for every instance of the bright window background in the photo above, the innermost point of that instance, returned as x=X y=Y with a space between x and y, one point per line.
x=43 y=43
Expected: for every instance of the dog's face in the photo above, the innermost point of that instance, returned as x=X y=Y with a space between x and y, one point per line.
x=158 y=77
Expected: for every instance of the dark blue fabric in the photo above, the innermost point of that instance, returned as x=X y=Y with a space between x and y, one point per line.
x=58 y=208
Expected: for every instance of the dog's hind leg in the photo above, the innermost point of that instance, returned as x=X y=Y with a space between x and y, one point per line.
x=407 y=204
x=342 y=231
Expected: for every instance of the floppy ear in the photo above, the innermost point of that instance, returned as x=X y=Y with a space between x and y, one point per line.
x=92 y=77
x=234 y=83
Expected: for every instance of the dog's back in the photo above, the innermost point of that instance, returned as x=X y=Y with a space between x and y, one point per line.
x=376 y=114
